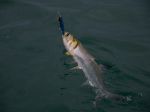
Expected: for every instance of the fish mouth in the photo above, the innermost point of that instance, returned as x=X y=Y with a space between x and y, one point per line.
x=71 y=40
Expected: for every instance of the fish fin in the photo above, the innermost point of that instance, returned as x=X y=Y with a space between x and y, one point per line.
x=102 y=67
x=85 y=83
x=74 y=68
x=73 y=62
x=67 y=53
x=91 y=58
x=91 y=84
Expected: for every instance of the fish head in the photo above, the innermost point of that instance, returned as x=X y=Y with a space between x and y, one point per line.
x=70 y=41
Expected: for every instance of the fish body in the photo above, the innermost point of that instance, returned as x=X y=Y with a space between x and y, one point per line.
x=86 y=62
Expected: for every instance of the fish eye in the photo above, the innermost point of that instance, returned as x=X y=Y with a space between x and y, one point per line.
x=67 y=33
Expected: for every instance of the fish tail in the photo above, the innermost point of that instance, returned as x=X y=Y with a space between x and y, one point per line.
x=114 y=97
x=117 y=97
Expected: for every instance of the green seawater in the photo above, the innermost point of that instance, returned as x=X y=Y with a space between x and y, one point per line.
x=35 y=74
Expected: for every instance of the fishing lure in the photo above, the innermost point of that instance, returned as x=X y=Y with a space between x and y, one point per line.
x=61 y=24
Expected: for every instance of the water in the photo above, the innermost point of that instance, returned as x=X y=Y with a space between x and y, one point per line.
x=34 y=73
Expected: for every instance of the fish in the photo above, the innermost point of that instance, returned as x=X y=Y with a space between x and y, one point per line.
x=86 y=62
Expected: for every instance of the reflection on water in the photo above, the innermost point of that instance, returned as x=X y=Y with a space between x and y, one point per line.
x=34 y=73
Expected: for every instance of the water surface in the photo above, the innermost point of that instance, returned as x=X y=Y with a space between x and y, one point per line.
x=34 y=73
